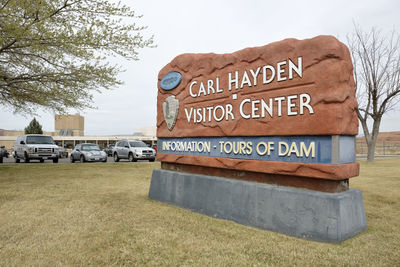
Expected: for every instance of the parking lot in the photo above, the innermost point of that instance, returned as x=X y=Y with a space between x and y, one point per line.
x=11 y=160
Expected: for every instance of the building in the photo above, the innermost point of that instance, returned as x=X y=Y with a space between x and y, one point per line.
x=69 y=131
x=69 y=125
x=7 y=137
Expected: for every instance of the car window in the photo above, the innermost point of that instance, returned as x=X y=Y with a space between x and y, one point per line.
x=39 y=140
x=137 y=144
x=90 y=148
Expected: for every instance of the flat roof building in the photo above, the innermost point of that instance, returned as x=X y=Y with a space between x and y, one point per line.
x=69 y=125
x=70 y=129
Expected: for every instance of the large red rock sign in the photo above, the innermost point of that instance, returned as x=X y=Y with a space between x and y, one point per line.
x=287 y=88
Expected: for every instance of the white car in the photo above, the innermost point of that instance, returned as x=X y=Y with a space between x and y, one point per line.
x=133 y=150
x=35 y=147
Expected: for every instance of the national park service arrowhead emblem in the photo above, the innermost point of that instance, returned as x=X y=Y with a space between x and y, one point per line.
x=171 y=108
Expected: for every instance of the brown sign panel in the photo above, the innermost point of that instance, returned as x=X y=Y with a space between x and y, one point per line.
x=284 y=108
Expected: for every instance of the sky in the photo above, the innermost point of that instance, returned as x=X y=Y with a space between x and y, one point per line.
x=218 y=26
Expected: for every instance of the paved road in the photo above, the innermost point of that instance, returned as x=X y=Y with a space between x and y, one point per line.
x=11 y=160
x=110 y=160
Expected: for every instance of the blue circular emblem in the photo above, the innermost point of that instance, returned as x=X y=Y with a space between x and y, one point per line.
x=171 y=80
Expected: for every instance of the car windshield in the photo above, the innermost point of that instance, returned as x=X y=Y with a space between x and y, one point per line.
x=90 y=148
x=39 y=140
x=137 y=144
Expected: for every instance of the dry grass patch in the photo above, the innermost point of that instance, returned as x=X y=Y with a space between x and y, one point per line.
x=99 y=214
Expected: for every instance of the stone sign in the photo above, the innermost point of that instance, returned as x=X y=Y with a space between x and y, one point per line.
x=282 y=114
x=289 y=104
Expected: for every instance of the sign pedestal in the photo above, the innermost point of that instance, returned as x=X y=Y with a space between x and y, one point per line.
x=264 y=136
x=313 y=215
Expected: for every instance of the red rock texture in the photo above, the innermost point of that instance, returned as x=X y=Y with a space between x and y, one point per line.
x=327 y=77
x=311 y=170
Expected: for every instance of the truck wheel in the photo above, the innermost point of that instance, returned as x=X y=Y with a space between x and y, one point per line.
x=1 y=159
x=116 y=158
x=41 y=160
x=55 y=160
x=26 y=159
x=16 y=160
x=151 y=160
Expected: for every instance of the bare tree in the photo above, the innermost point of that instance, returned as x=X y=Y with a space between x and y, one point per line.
x=376 y=61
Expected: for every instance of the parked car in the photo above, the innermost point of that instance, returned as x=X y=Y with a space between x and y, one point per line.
x=133 y=150
x=88 y=152
x=155 y=148
x=35 y=147
x=3 y=153
x=109 y=150
x=62 y=153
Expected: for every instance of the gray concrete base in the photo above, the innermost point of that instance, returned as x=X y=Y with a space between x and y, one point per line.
x=306 y=214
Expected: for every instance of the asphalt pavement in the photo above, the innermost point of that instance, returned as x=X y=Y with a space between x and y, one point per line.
x=11 y=160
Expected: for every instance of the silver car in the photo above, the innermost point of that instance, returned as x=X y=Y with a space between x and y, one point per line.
x=62 y=153
x=88 y=153
x=133 y=150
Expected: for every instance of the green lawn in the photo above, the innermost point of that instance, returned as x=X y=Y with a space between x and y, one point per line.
x=99 y=214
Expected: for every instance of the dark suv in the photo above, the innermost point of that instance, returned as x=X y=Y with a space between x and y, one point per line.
x=109 y=150
x=3 y=153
